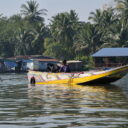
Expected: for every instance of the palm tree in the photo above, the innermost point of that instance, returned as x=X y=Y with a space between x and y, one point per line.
x=23 y=41
x=122 y=7
x=96 y=17
x=31 y=11
x=41 y=32
x=63 y=27
x=63 y=30
x=106 y=21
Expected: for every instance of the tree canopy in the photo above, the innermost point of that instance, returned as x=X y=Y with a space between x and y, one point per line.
x=66 y=37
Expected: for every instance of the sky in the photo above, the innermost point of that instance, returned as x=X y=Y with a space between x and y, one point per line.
x=81 y=7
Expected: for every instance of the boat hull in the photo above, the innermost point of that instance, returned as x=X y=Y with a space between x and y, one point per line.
x=95 y=77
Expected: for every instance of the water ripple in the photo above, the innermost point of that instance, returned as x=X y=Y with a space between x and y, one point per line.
x=55 y=106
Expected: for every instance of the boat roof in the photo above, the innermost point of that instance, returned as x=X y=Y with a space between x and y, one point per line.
x=74 y=61
x=48 y=60
x=111 y=52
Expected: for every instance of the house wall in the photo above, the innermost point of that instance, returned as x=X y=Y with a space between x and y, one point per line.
x=110 y=61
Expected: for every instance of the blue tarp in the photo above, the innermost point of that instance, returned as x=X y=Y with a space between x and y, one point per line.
x=10 y=64
x=111 y=52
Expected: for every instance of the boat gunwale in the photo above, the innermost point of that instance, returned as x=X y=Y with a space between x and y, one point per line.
x=69 y=80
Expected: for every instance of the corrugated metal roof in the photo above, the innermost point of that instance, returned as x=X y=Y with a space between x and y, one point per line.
x=111 y=52
x=31 y=57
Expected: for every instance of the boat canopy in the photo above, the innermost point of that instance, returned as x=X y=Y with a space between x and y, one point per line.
x=111 y=52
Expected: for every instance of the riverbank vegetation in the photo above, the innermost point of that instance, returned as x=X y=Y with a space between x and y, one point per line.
x=66 y=37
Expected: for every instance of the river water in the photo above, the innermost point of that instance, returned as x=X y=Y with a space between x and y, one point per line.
x=62 y=106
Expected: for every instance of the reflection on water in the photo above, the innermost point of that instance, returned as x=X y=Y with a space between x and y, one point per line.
x=61 y=106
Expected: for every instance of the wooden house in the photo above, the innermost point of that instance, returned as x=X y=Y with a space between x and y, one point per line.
x=111 y=57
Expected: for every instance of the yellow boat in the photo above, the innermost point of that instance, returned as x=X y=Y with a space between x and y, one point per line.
x=90 y=77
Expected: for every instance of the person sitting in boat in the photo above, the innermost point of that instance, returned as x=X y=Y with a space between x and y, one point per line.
x=65 y=67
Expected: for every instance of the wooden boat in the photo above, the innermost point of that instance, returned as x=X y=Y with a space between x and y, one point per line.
x=90 y=77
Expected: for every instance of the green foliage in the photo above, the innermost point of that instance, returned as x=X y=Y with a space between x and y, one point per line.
x=65 y=37
x=87 y=61
x=55 y=49
x=63 y=31
x=31 y=12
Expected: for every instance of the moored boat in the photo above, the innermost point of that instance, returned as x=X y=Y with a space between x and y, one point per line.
x=90 y=77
